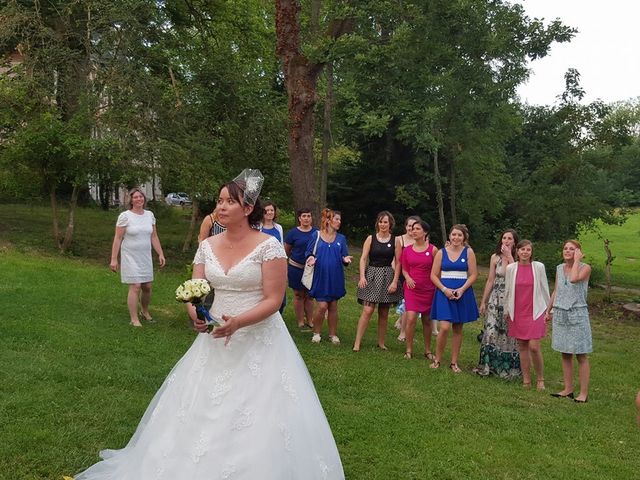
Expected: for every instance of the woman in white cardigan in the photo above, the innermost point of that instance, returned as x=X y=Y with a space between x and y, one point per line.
x=525 y=302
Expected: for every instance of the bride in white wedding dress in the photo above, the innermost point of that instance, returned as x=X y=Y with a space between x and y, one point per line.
x=240 y=404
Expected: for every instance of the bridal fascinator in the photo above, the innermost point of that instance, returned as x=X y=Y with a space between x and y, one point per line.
x=250 y=181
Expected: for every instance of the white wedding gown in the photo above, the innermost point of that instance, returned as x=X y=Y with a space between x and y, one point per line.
x=247 y=410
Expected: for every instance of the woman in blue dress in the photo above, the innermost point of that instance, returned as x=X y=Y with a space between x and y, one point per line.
x=295 y=245
x=453 y=273
x=328 y=252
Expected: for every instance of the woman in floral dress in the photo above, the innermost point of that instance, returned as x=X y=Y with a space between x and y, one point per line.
x=498 y=352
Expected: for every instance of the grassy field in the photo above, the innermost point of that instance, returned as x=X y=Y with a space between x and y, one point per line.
x=625 y=247
x=76 y=379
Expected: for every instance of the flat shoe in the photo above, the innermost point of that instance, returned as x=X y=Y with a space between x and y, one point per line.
x=580 y=401
x=559 y=395
x=455 y=368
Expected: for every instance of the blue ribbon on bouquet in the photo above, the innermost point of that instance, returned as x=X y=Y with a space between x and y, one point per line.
x=206 y=316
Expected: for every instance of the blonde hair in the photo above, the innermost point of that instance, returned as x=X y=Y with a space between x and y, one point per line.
x=131 y=192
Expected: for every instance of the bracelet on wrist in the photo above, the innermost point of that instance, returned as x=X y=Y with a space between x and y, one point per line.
x=444 y=289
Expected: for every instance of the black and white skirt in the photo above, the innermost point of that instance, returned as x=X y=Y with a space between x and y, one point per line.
x=378 y=281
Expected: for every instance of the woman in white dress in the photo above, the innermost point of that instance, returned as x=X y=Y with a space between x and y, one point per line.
x=136 y=234
x=240 y=404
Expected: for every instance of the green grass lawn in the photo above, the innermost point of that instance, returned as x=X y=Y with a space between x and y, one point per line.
x=76 y=378
x=624 y=245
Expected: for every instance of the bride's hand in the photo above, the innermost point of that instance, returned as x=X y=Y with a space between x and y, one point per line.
x=226 y=330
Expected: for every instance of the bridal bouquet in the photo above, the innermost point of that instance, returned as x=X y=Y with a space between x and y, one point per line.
x=194 y=291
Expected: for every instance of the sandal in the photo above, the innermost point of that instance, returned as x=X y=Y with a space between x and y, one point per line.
x=401 y=338
x=540 y=385
x=429 y=356
x=435 y=364
x=455 y=368
x=408 y=355
x=383 y=347
x=526 y=385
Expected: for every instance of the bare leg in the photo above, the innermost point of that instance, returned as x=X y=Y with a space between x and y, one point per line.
x=332 y=317
x=145 y=299
x=584 y=370
x=525 y=362
x=456 y=342
x=410 y=330
x=318 y=320
x=299 y=297
x=308 y=309
x=441 y=342
x=132 y=303
x=363 y=323
x=538 y=362
x=403 y=327
x=434 y=327
x=426 y=332
x=383 y=318
x=567 y=373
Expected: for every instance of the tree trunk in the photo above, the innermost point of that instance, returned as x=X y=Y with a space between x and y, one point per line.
x=326 y=136
x=195 y=213
x=68 y=235
x=54 y=213
x=453 y=192
x=439 y=195
x=607 y=267
x=300 y=79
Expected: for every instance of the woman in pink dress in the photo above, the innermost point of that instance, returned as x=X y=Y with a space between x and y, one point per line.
x=416 y=262
x=525 y=303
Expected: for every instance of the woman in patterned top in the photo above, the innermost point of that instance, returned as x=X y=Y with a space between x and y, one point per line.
x=571 y=328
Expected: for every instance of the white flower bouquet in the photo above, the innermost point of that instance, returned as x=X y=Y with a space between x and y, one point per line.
x=194 y=291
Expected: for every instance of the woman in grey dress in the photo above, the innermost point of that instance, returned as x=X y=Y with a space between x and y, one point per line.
x=571 y=328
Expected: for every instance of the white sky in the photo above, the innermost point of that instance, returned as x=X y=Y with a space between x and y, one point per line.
x=606 y=50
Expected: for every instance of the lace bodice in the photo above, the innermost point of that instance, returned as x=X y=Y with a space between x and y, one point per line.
x=240 y=288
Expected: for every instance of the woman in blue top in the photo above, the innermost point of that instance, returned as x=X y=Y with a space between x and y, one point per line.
x=328 y=252
x=570 y=313
x=271 y=227
x=295 y=245
x=453 y=273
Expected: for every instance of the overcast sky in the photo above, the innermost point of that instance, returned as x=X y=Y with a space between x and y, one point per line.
x=606 y=50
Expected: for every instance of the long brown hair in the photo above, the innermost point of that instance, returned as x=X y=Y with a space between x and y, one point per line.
x=516 y=239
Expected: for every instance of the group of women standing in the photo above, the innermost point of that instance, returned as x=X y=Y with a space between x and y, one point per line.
x=409 y=271
x=436 y=284
x=518 y=307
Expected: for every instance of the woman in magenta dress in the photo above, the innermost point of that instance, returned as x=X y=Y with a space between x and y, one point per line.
x=417 y=261
x=525 y=303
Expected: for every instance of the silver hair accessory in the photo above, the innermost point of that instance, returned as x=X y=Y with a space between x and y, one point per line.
x=250 y=181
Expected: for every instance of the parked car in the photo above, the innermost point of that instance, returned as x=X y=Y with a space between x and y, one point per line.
x=179 y=198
